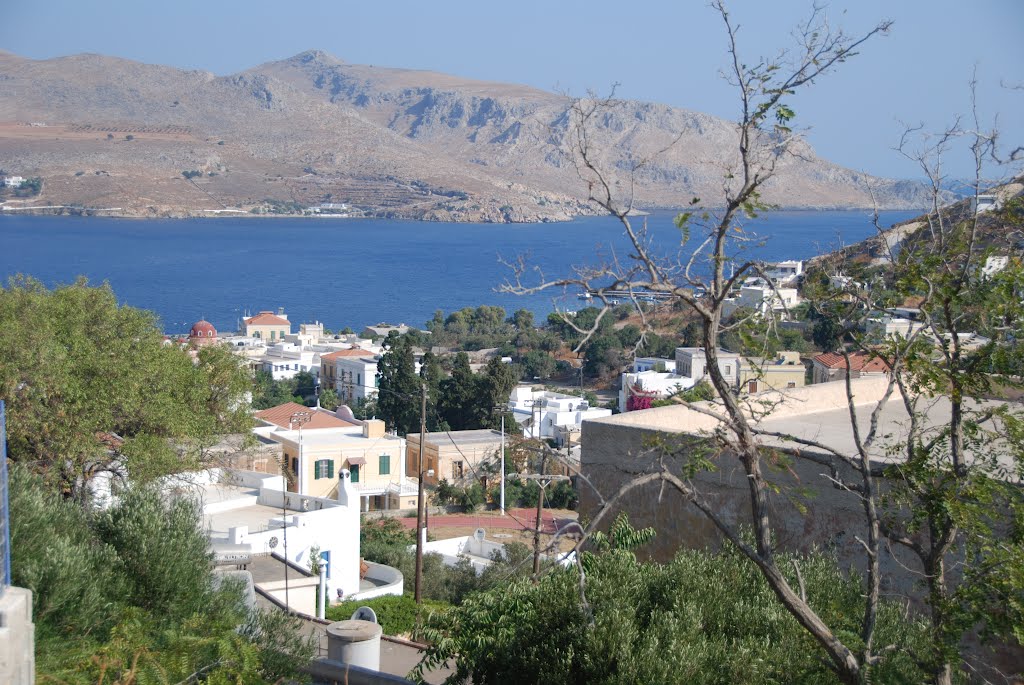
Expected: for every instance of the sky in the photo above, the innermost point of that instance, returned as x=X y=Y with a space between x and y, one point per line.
x=655 y=50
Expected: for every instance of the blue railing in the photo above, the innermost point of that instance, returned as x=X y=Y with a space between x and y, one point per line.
x=5 y=510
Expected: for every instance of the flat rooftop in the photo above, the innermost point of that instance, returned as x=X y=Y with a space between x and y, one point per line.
x=815 y=412
x=471 y=437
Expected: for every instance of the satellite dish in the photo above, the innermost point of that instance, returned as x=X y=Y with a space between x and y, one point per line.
x=364 y=614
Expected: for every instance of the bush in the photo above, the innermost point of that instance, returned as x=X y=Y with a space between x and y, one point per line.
x=653 y=623
x=396 y=614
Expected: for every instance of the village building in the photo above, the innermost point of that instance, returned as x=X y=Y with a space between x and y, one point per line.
x=455 y=456
x=286 y=360
x=352 y=373
x=551 y=415
x=808 y=511
x=328 y=444
x=268 y=326
x=831 y=366
x=202 y=334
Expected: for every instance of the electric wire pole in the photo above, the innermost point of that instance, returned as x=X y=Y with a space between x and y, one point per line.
x=419 y=501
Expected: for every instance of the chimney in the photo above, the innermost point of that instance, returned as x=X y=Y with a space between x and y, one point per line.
x=280 y=312
x=373 y=428
x=346 y=493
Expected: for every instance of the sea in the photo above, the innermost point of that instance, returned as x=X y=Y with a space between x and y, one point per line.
x=360 y=272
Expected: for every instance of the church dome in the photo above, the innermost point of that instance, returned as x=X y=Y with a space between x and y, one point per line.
x=202 y=330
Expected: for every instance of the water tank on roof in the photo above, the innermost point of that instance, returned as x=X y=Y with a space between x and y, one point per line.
x=343 y=412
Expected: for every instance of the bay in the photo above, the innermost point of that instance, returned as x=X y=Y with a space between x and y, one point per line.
x=357 y=272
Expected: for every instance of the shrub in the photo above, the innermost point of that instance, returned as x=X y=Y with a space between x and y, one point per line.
x=396 y=614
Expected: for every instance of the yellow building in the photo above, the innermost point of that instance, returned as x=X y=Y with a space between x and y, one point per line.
x=454 y=456
x=327 y=444
x=784 y=371
x=268 y=326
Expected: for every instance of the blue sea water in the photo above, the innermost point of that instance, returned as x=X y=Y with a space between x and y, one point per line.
x=357 y=272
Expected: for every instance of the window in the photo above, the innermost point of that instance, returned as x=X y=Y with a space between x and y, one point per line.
x=282 y=335
x=791 y=384
x=385 y=464
x=359 y=379
x=752 y=386
x=728 y=369
x=323 y=468
x=354 y=470
x=272 y=334
x=295 y=464
x=456 y=470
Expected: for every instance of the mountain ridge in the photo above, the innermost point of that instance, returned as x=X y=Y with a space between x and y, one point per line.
x=391 y=142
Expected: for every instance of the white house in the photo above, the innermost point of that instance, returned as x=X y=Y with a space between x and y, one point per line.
x=355 y=377
x=246 y=514
x=654 y=384
x=985 y=203
x=786 y=271
x=762 y=298
x=286 y=360
x=13 y=181
x=885 y=326
x=654 y=364
x=551 y=415
x=692 y=362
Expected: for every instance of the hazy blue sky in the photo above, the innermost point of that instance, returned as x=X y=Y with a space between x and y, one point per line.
x=661 y=51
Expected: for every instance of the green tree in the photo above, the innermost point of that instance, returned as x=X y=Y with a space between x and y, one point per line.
x=651 y=623
x=458 y=405
x=537 y=364
x=432 y=374
x=329 y=399
x=75 y=366
x=133 y=599
x=399 y=389
x=523 y=320
x=495 y=386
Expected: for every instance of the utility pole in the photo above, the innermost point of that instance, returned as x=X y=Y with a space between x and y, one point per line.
x=543 y=480
x=502 y=464
x=419 y=501
x=536 y=530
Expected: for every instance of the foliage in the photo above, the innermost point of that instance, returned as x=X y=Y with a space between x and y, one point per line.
x=399 y=389
x=267 y=392
x=700 y=392
x=537 y=364
x=396 y=614
x=652 y=623
x=75 y=366
x=329 y=399
x=128 y=596
x=470 y=497
x=475 y=329
x=388 y=542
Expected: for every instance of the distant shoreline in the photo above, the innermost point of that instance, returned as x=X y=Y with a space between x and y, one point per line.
x=117 y=213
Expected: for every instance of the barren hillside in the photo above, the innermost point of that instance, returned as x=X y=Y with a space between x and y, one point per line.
x=110 y=133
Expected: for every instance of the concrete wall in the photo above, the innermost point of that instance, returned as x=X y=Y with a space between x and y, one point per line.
x=807 y=512
x=17 y=637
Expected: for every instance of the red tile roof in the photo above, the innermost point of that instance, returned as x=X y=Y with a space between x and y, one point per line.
x=354 y=352
x=267 y=319
x=859 y=361
x=281 y=415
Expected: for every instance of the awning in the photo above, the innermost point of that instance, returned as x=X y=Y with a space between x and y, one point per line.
x=356 y=461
